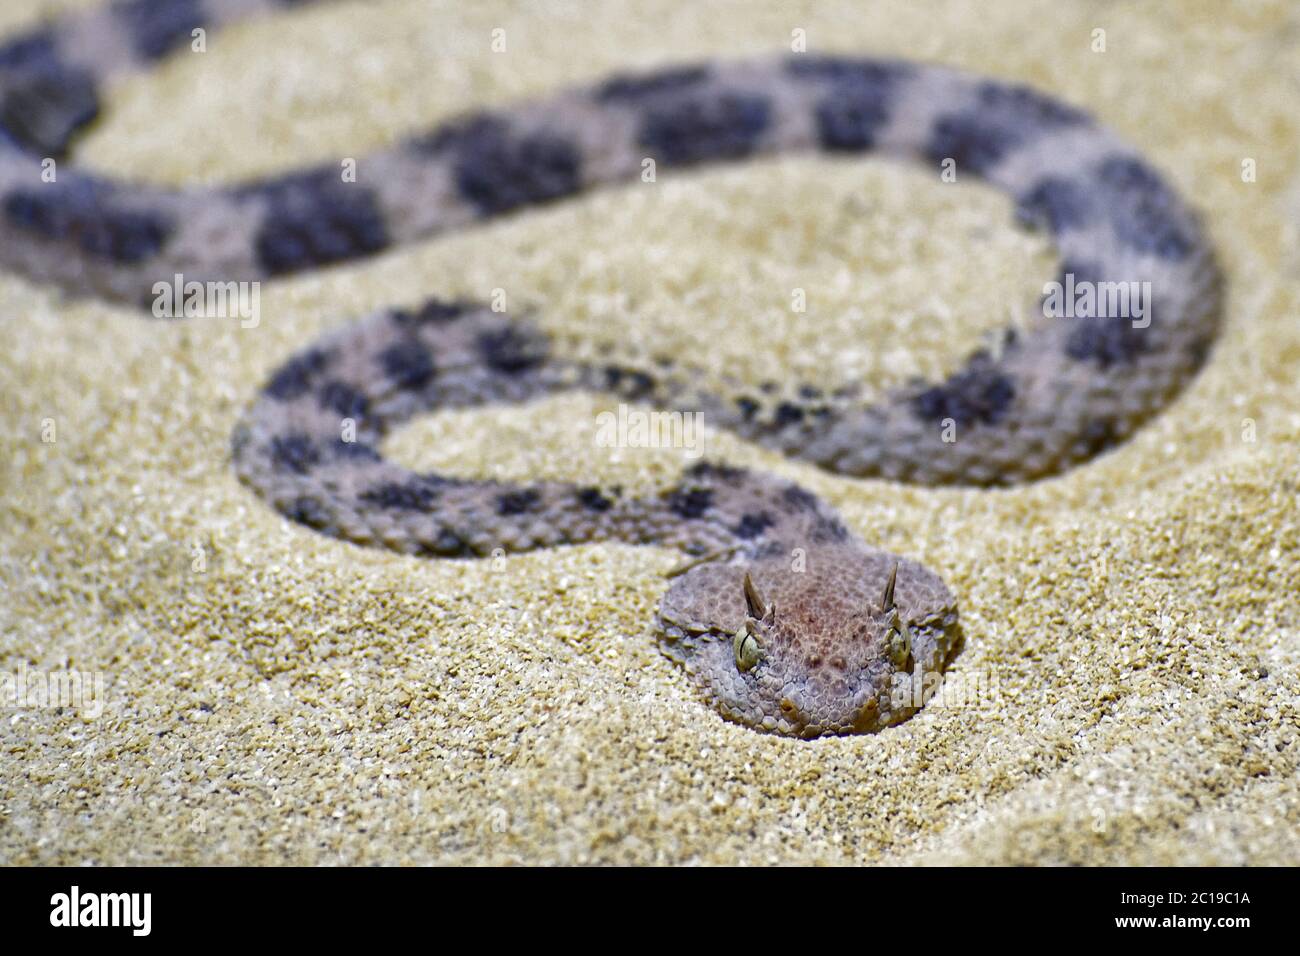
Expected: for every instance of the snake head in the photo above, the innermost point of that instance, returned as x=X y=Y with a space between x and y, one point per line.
x=810 y=654
x=814 y=673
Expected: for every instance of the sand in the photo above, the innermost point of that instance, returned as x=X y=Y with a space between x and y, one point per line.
x=274 y=696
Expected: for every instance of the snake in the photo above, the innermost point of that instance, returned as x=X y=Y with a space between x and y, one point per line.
x=782 y=618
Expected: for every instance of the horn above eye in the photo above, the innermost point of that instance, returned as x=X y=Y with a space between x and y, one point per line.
x=887 y=598
x=754 y=603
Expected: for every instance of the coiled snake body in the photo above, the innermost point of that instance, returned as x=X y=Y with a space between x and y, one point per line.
x=784 y=620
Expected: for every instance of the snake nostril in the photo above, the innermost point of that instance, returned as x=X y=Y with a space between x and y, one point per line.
x=787 y=706
x=869 y=715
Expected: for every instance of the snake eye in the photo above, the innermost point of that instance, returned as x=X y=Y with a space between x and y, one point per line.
x=747 y=650
x=898 y=641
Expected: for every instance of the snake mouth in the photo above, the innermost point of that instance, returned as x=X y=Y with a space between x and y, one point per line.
x=867 y=711
x=793 y=720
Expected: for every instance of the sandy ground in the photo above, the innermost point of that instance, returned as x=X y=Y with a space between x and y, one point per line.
x=273 y=696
